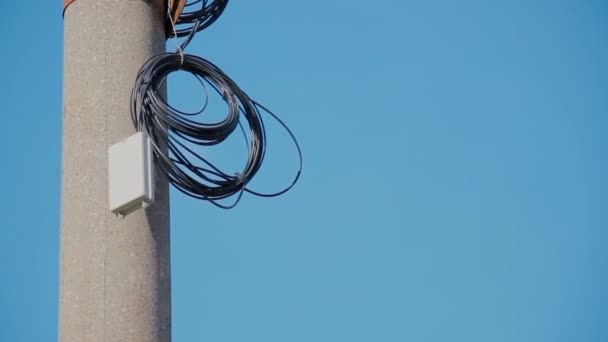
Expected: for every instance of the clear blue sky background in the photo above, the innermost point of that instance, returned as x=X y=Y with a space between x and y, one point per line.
x=454 y=187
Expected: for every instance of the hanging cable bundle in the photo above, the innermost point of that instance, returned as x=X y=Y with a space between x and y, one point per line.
x=197 y=16
x=176 y=136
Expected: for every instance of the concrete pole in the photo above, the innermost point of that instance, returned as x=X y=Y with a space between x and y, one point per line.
x=115 y=276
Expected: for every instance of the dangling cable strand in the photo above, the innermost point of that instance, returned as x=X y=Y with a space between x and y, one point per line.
x=258 y=106
x=175 y=134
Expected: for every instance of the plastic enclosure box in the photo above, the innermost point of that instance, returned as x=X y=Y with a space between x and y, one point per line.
x=131 y=181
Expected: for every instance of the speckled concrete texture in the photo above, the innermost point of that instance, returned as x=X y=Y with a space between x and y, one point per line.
x=115 y=275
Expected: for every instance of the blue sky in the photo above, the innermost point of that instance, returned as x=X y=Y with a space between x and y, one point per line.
x=454 y=186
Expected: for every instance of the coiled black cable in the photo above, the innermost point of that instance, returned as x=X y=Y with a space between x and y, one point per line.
x=197 y=16
x=170 y=130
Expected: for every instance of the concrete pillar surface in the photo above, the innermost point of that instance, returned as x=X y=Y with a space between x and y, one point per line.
x=115 y=276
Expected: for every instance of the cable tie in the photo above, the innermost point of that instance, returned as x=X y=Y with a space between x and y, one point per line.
x=181 y=56
x=146 y=81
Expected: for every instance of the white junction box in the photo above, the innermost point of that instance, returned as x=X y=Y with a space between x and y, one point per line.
x=131 y=179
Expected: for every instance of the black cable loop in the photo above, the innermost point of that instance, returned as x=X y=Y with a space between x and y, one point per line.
x=169 y=129
x=207 y=14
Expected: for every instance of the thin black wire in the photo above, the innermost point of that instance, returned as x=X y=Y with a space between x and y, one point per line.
x=168 y=129
x=196 y=18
